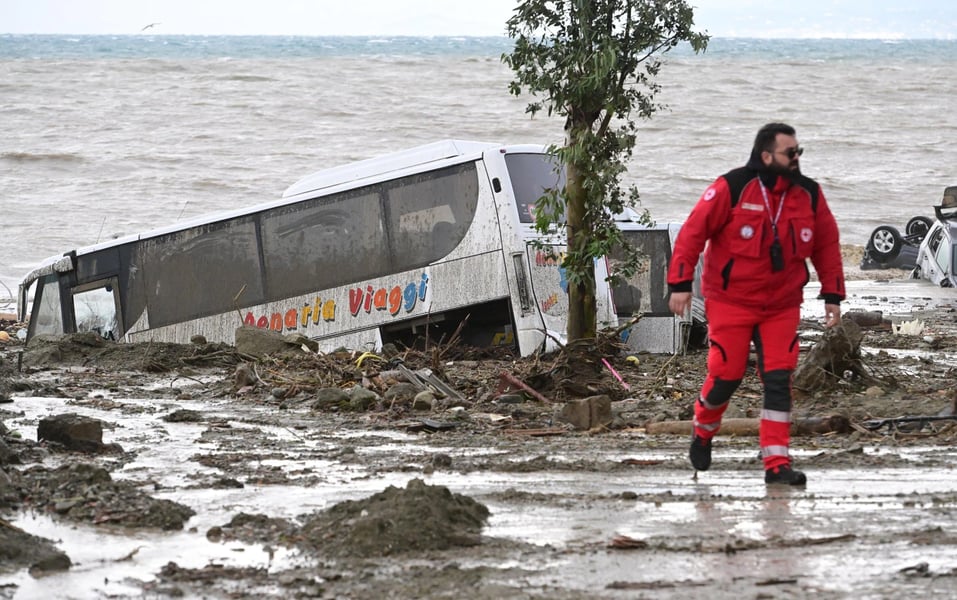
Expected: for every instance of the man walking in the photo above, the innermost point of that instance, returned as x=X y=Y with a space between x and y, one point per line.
x=757 y=226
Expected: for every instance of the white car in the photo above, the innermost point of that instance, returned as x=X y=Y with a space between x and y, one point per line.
x=937 y=254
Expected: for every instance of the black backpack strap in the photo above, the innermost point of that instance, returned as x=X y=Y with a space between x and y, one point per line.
x=812 y=188
x=738 y=178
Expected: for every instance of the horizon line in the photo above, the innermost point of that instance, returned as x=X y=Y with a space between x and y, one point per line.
x=848 y=37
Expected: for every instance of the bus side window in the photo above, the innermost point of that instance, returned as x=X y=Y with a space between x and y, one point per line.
x=303 y=243
x=430 y=214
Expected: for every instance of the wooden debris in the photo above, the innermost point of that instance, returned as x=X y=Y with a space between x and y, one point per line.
x=548 y=431
x=624 y=542
x=508 y=381
x=838 y=351
x=639 y=462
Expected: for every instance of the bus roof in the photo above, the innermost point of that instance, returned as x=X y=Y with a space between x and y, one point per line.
x=387 y=163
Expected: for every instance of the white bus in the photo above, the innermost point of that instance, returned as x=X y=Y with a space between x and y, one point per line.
x=408 y=245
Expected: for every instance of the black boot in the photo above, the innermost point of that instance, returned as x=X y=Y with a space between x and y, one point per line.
x=700 y=454
x=784 y=474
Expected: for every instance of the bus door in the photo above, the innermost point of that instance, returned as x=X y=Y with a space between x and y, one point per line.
x=550 y=287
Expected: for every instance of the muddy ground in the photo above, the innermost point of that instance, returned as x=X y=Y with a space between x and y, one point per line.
x=288 y=420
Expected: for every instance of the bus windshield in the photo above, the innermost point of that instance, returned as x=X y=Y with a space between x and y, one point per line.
x=532 y=176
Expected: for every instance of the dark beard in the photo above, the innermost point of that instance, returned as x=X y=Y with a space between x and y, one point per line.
x=777 y=169
x=770 y=173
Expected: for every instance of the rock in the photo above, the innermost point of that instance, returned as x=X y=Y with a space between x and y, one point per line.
x=588 y=413
x=261 y=342
x=298 y=340
x=330 y=399
x=441 y=460
x=423 y=400
x=362 y=399
x=226 y=483
x=73 y=431
x=7 y=455
x=184 y=415
x=401 y=393
x=244 y=376
x=870 y=318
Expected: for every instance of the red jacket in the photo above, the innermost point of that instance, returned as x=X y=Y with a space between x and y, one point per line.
x=732 y=218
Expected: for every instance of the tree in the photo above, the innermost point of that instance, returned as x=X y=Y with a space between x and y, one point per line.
x=593 y=62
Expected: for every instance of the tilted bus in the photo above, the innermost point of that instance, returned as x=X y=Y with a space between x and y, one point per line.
x=424 y=242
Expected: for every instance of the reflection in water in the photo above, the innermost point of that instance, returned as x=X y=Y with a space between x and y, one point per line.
x=752 y=535
x=775 y=516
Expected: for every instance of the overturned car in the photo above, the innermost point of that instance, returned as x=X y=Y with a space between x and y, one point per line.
x=928 y=247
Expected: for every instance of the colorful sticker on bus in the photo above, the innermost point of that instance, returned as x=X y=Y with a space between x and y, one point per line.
x=392 y=300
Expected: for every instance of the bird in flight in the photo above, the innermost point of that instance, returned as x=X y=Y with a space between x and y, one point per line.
x=151 y=25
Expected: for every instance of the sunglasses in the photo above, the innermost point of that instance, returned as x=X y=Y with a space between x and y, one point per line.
x=792 y=152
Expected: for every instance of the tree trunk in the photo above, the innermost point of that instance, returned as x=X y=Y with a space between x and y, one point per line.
x=582 y=307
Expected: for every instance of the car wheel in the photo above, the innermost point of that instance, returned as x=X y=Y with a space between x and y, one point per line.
x=918 y=227
x=886 y=243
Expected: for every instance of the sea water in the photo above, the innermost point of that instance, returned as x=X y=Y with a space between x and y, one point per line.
x=102 y=136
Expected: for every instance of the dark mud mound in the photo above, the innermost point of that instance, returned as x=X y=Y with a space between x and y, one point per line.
x=86 y=493
x=251 y=529
x=419 y=518
x=90 y=350
x=8 y=371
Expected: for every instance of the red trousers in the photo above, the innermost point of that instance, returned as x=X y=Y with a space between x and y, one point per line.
x=731 y=330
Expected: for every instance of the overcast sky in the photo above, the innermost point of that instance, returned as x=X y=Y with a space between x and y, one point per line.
x=742 y=18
